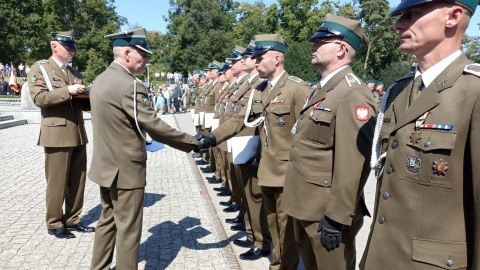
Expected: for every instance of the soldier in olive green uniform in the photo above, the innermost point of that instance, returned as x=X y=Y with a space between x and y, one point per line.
x=427 y=206
x=54 y=87
x=121 y=117
x=275 y=111
x=329 y=160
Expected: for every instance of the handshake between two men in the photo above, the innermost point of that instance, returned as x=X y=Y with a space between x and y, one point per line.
x=205 y=142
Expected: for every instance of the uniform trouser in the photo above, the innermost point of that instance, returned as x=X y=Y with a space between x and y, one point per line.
x=285 y=253
x=218 y=162
x=315 y=256
x=65 y=171
x=223 y=162
x=255 y=217
x=120 y=226
x=233 y=184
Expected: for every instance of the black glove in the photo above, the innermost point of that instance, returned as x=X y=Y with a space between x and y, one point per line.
x=331 y=233
x=205 y=142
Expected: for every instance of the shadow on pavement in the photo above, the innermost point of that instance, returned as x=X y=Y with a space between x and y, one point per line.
x=94 y=214
x=168 y=238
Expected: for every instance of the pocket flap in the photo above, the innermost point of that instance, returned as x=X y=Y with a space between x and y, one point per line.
x=447 y=255
x=434 y=140
x=323 y=179
x=53 y=122
x=321 y=116
x=385 y=130
x=139 y=156
x=257 y=108
x=280 y=108
x=284 y=154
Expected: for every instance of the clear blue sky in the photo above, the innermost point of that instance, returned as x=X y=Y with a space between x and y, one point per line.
x=148 y=13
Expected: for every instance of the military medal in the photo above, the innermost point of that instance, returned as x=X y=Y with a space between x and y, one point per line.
x=439 y=168
x=415 y=136
x=413 y=163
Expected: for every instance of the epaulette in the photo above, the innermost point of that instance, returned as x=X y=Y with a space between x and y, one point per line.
x=262 y=86
x=473 y=69
x=352 y=79
x=295 y=79
x=43 y=61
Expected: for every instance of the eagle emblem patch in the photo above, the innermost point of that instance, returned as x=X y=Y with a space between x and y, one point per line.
x=362 y=113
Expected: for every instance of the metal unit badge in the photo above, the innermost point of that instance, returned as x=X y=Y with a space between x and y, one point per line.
x=413 y=163
x=439 y=168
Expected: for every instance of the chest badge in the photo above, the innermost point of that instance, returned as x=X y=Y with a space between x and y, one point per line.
x=415 y=136
x=413 y=163
x=281 y=120
x=439 y=168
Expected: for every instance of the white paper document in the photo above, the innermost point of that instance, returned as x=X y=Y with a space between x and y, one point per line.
x=208 y=120
x=196 y=117
x=192 y=112
x=202 y=115
x=215 y=123
x=243 y=148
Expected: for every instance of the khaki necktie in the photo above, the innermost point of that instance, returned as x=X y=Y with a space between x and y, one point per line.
x=415 y=92
x=65 y=71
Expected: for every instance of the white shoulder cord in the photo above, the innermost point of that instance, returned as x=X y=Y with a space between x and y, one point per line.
x=256 y=122
x=376 y=161
x=47 y=79
x=135 y=108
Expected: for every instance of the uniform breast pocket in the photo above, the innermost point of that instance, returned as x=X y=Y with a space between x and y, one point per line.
x=385 y=131
x=280 y=115
x=322 y=127
x=435 y=154
x=257 y=108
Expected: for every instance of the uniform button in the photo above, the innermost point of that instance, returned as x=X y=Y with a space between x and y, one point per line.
x=385 y=195
x=381 y=220
x=325 y=183
x=426 y=144
x=449 y=263
x=389 y=170
x=301 y=117
x=293 y=145
x=291 y=159
x=265 y=144
x=394 y=145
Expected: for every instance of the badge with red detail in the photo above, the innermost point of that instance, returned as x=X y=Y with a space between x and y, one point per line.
x=362 y=113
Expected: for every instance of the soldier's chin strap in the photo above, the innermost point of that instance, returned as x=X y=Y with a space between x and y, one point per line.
x=377 y=161
x=135 y=109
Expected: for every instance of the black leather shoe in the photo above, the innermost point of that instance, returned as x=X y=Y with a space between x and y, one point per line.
x=243 y=243
x=61 y=232
x=219 y=189
x=239 y=227
x=216 y=181
x=207 y=170
x=254 y=253
x=201 y=162
x=224 y=193
x=227 y=203
x=234 y=220
x=80 y=228
x=232 y=208
x=196 y=155
x=211 y=178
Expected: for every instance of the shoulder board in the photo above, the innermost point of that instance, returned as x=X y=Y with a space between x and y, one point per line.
x=352 y=79
x=472 y=69
x=295 y=79
x=262 y=86
x=41 y=62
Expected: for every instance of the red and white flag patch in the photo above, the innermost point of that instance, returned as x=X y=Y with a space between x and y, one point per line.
x=362 y=113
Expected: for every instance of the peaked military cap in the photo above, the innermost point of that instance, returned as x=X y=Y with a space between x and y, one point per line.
x=336 y=26
x=406 y=4
x=269 y=42
x=208 y=67
x=136 y=38
x=249 y=49
x=226 y=65
x=215 y=65
x=64 y=38
x=237 y=53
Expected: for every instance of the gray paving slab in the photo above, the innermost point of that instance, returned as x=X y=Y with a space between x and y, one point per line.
x=183 y=225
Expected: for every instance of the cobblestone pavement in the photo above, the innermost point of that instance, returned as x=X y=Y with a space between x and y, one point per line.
x=183 y=226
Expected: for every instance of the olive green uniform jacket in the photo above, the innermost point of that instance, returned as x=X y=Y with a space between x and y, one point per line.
x=426 y=216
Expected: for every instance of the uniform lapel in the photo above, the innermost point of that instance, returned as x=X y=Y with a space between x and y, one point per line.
x=57 y=71
x=277 y=90
x=429 y=98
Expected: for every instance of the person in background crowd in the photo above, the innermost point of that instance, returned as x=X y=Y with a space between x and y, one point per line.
x=167 y=95
x=177 y=97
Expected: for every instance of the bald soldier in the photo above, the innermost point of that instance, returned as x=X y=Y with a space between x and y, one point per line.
x=329 y=160
x=274 y=108
x=427 y=207
x=121 y=117
x=54 y=86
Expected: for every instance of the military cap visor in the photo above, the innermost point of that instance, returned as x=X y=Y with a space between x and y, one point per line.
x=65 y=39
x=136 y=38
x=346 y=34
x=406 y=4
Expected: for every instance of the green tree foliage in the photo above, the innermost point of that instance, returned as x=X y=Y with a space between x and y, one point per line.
x=298 y=61
x=199 y=32
x=294 y=14
x=470 y=46
x=251 y=21
x=393 y=71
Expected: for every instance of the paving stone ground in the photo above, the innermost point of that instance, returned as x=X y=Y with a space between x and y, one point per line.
x=183 y=226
